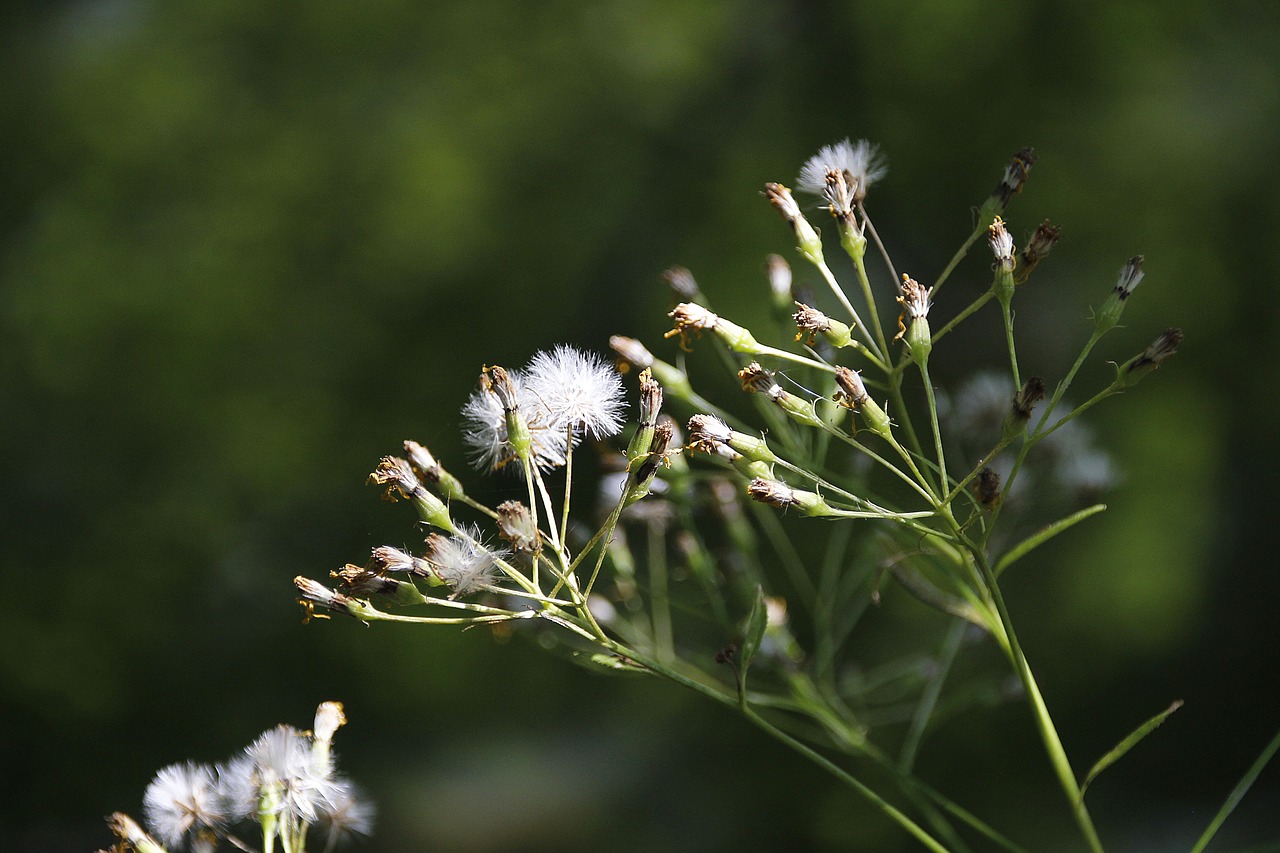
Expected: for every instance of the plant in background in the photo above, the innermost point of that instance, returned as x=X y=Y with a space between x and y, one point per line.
x=736 y=560
x=285 y=782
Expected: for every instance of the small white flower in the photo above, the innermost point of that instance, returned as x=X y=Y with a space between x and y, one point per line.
x=182 y=799
x=858 y=163
x=576 y=389
x=463 y=562
x=486 y=430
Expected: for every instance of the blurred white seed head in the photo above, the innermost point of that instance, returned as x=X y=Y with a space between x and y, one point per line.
x=349 y=814
x=181 y=800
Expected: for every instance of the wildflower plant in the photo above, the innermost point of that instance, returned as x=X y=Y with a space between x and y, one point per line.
x=734 y=555
x=285 y=782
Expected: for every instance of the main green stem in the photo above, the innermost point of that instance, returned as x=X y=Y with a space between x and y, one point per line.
x=1048 y=733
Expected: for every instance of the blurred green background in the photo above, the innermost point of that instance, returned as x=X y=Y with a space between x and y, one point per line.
x=246 y=248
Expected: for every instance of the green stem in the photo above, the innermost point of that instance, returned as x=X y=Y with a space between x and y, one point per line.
x=568 y=476
x=1006 y=310
x=963 y=315
x=1044 y=723
x=865 y=283
x=830 y=278
x=937 y=431
x=958 y=256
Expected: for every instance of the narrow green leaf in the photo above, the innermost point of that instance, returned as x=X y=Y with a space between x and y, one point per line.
x=1043 y=535
x=925 y=592
x=1127 y=744
x=1237 y=793
x=757 y=621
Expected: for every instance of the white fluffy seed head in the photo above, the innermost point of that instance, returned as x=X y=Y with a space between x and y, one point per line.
x=183 y=798
x=573 y=388
x=485 y=433
x=860 y=162
x=280 y=760
x=464 y=562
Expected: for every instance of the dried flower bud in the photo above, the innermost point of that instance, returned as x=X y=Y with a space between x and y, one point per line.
x=1038 y=248
x=1161 y=349
x=386 y=559
x=650 y=406
x=1015 y=422
x=914 y=300
x=631 y=351
x=1015 y=175
x=1130 y=276
x=812 y=322
x=682 y=283
x=706 y=431
x=431 y=471
x=853 y=394
x=317 y=594
x=650 y=398
x=397 y=475
x=127 y=830
x=329 y=718
x=986 y=487
x=642 y=478
x=782 y=496
x=692 y=317
x=808 y=242
x=756 y=380
x=516 y=526
x=357 y=580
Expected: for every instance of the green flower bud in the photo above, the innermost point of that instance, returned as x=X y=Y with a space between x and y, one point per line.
x=1136 y=369
x=808 y=243
x=915 y=307
x=1130 y=276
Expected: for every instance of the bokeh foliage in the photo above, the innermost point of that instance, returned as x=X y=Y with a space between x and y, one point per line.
x=248 y=247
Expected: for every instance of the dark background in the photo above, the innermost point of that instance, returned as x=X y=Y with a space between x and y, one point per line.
x=246 y=248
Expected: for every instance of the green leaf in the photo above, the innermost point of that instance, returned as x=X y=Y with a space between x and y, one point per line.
x=1043 y=535
x=924 y=591
x=1237 y=793
x=757 y=621
x=1127 y=744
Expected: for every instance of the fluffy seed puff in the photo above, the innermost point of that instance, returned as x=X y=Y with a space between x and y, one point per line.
x=463 y=562
x=841 y=174
x=561 y=390
x=182 y=800
x=577 y=390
